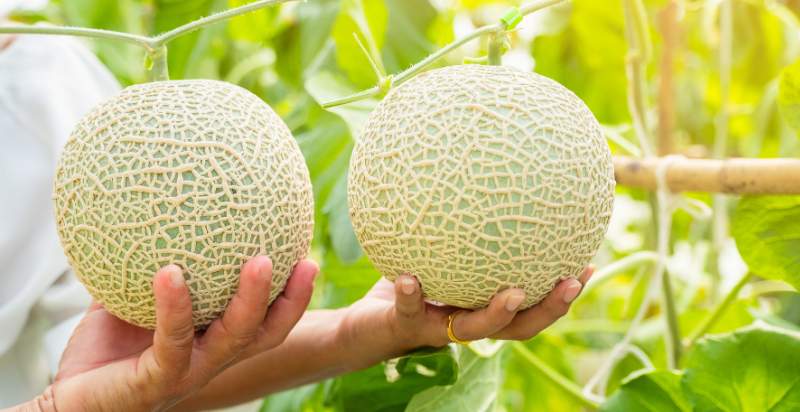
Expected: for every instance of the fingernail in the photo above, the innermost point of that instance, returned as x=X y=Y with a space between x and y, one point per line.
x=264 y=269
x=572 y=291
x=407 y=285
x=176 y=277
x=513 y=301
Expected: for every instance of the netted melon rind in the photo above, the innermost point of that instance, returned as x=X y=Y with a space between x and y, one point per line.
x=479 y=178
x=198 y=173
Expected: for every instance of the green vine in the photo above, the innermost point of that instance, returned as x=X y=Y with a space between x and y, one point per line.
x=720 y=310
x=556 y=378
x=155 y=46
x=412 y=71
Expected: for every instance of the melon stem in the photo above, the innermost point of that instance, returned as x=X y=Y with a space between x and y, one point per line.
x=496 y=48
x=160 y=67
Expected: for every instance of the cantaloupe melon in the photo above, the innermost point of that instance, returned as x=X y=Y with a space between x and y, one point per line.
x=479 y=178
x=199 y=173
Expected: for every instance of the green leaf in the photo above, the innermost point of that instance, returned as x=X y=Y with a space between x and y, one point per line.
x=476 y=389
x=343 y=283
x=123 y=59
x=390 y=385
x=526 y=391
x=367 y=19
x=406 y=41
x=572 y=58
x=754 y=369
x=306 y=398
x=255 y=26
x=187 y=53
x=789 y=95
x=767 y=233
x=343 y=239
x=649 y=391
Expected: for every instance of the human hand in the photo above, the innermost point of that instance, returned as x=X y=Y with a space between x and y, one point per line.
x=411 y=322
x=112 y=365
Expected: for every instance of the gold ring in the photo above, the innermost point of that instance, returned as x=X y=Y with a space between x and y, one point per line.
x=450 y=333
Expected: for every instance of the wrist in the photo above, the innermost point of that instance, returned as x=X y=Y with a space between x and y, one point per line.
x=75 y=394
x=367 y=340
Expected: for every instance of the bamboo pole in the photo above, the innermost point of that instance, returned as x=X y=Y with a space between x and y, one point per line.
x=668 y=23
x=735 y=176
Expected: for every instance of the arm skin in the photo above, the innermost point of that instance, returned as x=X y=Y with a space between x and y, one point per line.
x=314 y=351
x=391 y=320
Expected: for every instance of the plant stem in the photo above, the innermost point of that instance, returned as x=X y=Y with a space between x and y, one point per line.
x=165 y=38
x=634 y=67
x=422 y=64
x=407 y=74
x=78 y=31
x=558 y=379
x=620 y=266
x=160 y=69
x=717 y=313
x=673 y=338
x=637 y=36
x=155 y=46
x=496 y=48
x=719 y=224
x=413 y=70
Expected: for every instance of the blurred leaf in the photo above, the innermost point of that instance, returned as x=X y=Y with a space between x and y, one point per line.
x=367 y=19
x=186 y=53
x=767 y=233
x=651 y=391
x=789 y=95
x=306 y=398
x=123 y=59
x=389 y=386
x=524 y=391
x=588 y=57
x=326 y=149
x=305 y=46
x=406 y=41
x=255 y=26
x=325 y=86
x=476 y=389
x=752 y=370
x=344 y=284
x=317 y=19
x=343 y=239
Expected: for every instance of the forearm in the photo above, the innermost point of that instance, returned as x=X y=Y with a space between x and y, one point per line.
x=325 y=343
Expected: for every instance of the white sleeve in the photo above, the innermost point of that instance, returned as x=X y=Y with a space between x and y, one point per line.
x=46 y=85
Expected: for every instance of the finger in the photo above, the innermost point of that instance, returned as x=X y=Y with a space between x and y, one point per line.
x=530 y=322
x=227 y=336
x=408 y=302
x=587 y=273
x=487 y=321
x=174 y=335
x=95 y=305
x=288 y=308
